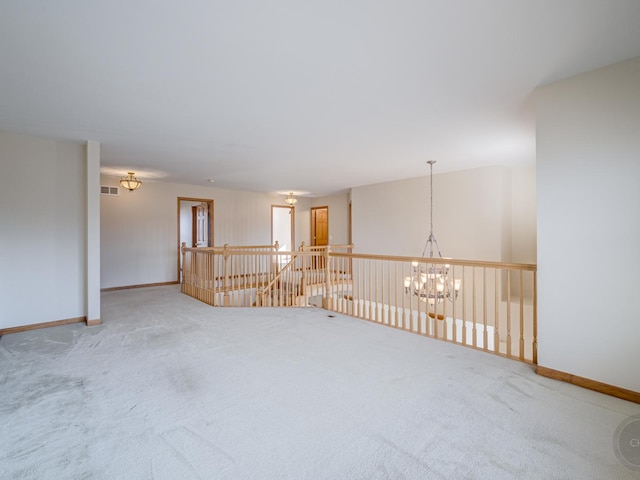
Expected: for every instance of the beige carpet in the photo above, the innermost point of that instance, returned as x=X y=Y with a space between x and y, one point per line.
x=170 y=388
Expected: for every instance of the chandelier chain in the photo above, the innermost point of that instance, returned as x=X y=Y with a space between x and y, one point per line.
x=431 y=198
x=431 y=241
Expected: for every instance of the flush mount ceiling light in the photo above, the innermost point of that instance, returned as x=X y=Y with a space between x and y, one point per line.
x=130 y=182
x=290 y=199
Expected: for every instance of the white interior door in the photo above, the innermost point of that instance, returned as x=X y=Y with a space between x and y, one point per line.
x=202 y=225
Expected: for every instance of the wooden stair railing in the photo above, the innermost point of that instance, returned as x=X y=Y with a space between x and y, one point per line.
x=494 y=310
x=265 y=295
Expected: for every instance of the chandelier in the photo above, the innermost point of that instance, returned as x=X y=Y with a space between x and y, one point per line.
x=430 y=282
x=290 y=199
x=130 y=182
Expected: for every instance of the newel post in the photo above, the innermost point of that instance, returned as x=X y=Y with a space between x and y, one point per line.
x=226 y=253
x=327 y=300
x=303 y=278
x=275 y=263
x=182 y=265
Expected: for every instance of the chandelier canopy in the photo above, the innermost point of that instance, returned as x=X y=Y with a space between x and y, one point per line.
x=431 y=282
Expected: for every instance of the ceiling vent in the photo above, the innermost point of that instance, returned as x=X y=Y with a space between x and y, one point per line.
x=106 y=190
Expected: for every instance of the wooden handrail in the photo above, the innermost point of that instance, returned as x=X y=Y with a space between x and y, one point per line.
x=279 y=274
x=440 y=261
x=325 y=247
x=251 y=248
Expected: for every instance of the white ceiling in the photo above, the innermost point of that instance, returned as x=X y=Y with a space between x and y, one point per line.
x=311 y=96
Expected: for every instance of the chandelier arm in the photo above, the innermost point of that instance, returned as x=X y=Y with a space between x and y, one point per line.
x=426 y=245
x=437 y=246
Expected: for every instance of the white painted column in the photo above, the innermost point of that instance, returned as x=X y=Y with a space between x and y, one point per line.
x=93 y=233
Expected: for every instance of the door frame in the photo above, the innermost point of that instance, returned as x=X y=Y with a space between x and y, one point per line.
x=194 y=224
x=209 y=202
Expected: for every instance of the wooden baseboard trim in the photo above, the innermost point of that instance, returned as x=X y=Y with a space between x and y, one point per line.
x=144 y=285
x=94 y=322
x=605 y=388
x=36 y=326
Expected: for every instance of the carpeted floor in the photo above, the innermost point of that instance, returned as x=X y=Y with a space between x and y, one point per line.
x=170 y=388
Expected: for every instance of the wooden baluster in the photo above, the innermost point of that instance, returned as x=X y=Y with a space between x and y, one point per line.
x=281 y=284
x=208 y=275
x=303 y=279
x=290 y=286
x=362 y=288
x=427 y=325
x=386 y=305
x=464 y=306
x=343 y=286
x=220 y=279
x=201 y=276
x=404 y=295
x=374 y=292
x=454 y=321
x=339 y=297
x=255 y=277
x=394 y=317
x=535 y=318
x=214 y=272
x=196 y=273
x=485 y=337
x=355 y=286
x=370 y=315
x=496 y=323
x=473 y=294
x=521 y=316
x=508 y=312
x=226 y=253
x=207 y=278
x=242 y=292
x=445 y=327
x=182 y=265
x=379 y=291
x=249 y=278
x=327 y=302
x=413 y=298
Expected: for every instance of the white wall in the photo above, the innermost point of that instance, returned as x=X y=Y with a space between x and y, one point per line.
x=42 y=230
x=303 y=220
x=139 y=229
x=523 y=214
x=588 y=169
x=472 y=215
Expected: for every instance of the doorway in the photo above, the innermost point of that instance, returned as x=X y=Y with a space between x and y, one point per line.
x=283 y=229
x=319 y=232
x=195 y=224
x=319 y=226
x=283 y=226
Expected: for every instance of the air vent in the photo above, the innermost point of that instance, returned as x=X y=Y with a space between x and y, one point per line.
x=106 y=190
